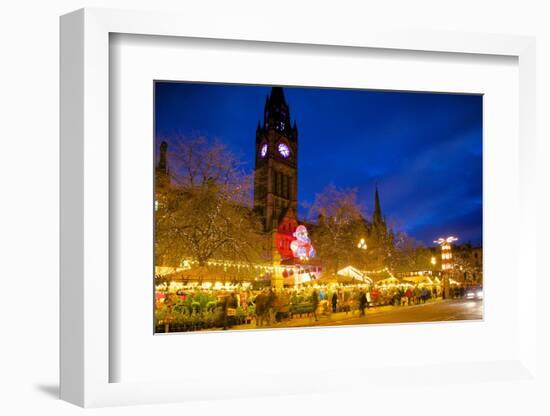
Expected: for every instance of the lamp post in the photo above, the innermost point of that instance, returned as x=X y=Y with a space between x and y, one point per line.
x=362 y=245
x=446 y=261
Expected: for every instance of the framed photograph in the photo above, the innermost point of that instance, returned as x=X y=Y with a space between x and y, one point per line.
x=257 y=233
x=290 y=209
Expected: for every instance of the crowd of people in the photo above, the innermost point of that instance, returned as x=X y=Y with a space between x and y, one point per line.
x=261 y=308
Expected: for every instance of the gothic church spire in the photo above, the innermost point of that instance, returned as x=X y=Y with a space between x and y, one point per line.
x=377 y=213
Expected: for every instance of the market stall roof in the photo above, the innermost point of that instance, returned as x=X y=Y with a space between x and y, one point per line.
x=388 y=281
x=167 y=270
x=336 y=278
x=355 y=274
x=421 y=278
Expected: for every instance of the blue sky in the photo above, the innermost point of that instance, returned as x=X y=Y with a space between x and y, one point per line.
x=424 y=150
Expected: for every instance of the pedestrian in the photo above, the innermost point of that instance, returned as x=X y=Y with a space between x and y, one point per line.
x=362 y=302
x=401 y=296
x=409 y=295
x=416 y=294
x=314 y=303
x=230 y=310
x=334 y=301
x=423 y=295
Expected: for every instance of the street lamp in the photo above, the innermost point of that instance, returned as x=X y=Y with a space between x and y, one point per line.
x=362 y=244
x=433 y=261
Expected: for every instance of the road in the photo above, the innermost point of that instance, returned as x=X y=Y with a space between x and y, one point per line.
x=451 y=310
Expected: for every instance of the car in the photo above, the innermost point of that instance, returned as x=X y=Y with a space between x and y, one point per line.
x=474 y=293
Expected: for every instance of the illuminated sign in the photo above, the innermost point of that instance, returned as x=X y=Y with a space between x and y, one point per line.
x=301 y=247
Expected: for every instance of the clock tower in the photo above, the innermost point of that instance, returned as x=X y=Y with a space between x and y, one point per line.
x=275 y=173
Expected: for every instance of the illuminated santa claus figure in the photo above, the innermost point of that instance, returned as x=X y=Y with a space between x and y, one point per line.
x=301 y=247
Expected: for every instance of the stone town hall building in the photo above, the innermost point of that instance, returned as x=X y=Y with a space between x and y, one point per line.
x=276 y=174
x=276 y=179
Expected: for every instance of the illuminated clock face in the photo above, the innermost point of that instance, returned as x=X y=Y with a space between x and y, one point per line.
x=283 y=149
x=281 y=126
x=263 y=150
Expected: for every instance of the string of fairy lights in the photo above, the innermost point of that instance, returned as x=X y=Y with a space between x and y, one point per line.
x=269 y=268
x=288 y=270
x=446 y=257
x=262 y=268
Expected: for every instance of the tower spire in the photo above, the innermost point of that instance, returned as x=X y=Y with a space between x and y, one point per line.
x=277 y=97
x=162 y=157
x=277 y=112
x=377 y=214
x=162 y=171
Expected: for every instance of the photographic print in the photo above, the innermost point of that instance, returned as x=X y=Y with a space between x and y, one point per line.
x=287 y=207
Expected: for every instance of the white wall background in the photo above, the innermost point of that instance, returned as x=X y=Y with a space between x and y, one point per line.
x=29 y=99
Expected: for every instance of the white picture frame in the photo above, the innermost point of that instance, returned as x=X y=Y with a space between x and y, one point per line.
x=85 y=355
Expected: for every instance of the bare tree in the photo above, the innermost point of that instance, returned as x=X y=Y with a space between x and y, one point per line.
x=206 y=213
x=340 y=225
x=410 y=254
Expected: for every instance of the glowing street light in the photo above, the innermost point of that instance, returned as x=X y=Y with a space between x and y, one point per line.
x=446 y=261
x=446 y=254
x=448 y=240
x=433 y=261
x=362 y=244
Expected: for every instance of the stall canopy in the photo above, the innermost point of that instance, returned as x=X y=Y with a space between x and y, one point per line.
x=355 y=274
x=390 y=281
x=419 y=279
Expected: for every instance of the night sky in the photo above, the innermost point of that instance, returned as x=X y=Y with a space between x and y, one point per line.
x=424 y=150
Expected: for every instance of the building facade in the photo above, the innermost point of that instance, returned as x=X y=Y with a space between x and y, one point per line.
x=276 y=174
x=276 y=167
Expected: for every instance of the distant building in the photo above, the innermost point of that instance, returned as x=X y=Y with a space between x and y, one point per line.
x=380 y=237
x=468 y=261
x=466 y=264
